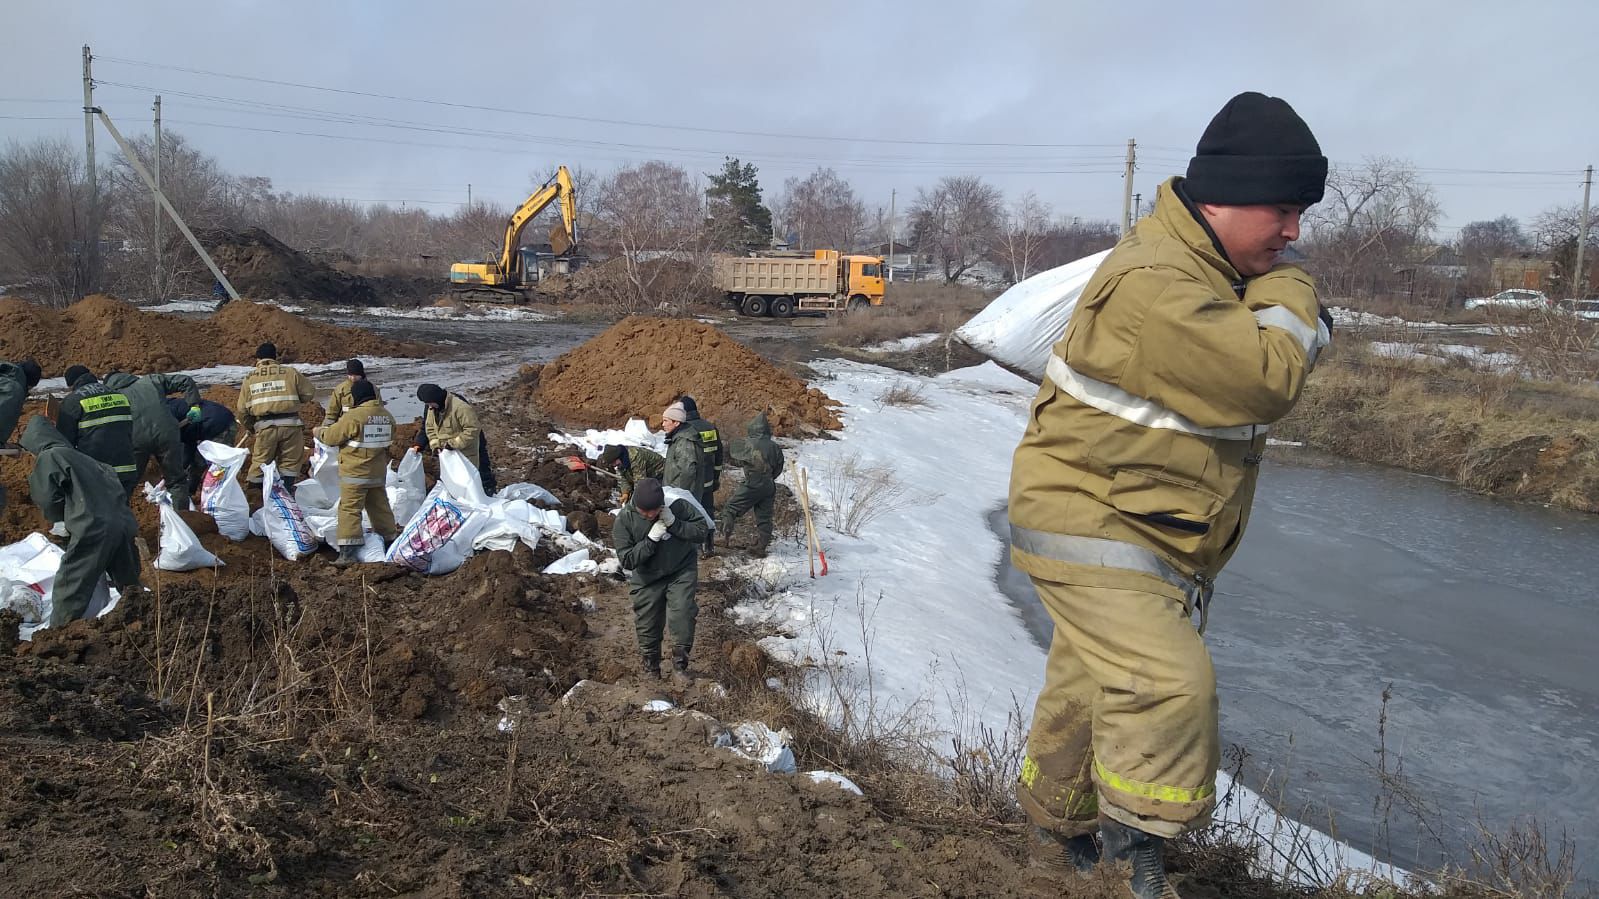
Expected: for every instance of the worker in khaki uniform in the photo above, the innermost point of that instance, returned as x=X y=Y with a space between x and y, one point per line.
x=450 y=422
x=341 y=400
x=85 y=496
x=269 y=406
x=632 y=464
x=1133 y=482
x=362 y=435
x=658 y=543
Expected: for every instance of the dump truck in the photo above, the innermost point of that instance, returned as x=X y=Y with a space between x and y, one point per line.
x=513 y=276
x=781 y=285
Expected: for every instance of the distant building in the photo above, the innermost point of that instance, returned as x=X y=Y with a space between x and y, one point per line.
x=1522 y=270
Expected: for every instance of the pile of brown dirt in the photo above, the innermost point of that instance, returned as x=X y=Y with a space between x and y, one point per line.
x=107 y=334
x=261 y=266
x=640 y=365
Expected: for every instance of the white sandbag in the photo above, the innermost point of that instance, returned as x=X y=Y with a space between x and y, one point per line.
x=284 y=522
x=371 y=550
x=1020 y=326
x=407 y=485
x=677 y=493
x=438 y=538
x=577 y=562
x=26 y=600
x=180 y=548
x=508 y=523
x=529 y=492
x=221 y=497
x=324 y=468
x=319 y=509
x=461 y=479
x=758 y=743
x=31 y=565
x=593 y=442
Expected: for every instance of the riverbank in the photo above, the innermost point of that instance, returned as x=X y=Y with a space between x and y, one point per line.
x=1491 y=432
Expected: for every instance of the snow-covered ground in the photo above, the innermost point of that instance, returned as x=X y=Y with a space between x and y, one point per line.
x=910 y=616
x=904 y=344
x=1436 y=352
x=470 y=313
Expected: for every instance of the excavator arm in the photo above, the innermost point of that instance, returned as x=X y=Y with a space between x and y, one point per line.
x=558 y=187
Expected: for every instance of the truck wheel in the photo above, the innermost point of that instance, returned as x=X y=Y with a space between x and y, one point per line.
x=858 y=305
x=754 y=306
x=782 y=307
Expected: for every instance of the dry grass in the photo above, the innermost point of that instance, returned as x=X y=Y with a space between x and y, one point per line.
x=856 y=494
x=905 y=393
x=907 y=309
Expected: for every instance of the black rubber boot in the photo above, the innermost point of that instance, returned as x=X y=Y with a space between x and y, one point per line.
x=680 y=675
x=1145 y=852
x=1062 y=855
x=651 y=666
x=348 y=555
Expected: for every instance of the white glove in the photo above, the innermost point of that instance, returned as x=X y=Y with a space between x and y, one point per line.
x=658 y=531
x=667 y=516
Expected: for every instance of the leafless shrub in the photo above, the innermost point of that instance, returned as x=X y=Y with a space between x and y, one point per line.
x=903 y=394
x=1551 y=345
x=859 y=494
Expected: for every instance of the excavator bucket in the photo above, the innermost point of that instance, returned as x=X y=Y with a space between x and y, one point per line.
x=560 y=244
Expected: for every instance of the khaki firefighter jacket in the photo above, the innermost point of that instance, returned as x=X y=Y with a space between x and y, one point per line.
x=272 y=395
x=363 y=435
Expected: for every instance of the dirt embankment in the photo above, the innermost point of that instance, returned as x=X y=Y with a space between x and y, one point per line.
x=262 y=267
x=1490 y=433
x=640 y=365
x=107 y=335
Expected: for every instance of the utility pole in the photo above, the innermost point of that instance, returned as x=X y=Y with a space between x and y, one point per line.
x=468 y=196
x=93 y=237
x=1582 y=237
x=1127 y=187
x=155 y=282
x=892 y=195
x=1138 y=205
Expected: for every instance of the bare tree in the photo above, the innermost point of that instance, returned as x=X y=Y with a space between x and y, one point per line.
x=823 y=209
x=956 y=222
x=195 y=184
x=649 y=216
x=1373 y=216
x=44 y=219
x=1026 y=225
x=1555 y=230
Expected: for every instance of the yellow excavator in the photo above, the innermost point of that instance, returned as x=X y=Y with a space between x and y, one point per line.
x=511 y=279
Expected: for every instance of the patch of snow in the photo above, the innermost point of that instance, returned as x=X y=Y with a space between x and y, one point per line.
x=904 y=344
x=575 y=562
x=593 y=442
x=836 y=779
x=184 y=306
x=469 y=313
x=1436 y=352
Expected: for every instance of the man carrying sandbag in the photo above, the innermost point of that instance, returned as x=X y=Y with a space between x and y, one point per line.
x=269 y=407
x=658 y=543
x=85 y=496
x=362 y=435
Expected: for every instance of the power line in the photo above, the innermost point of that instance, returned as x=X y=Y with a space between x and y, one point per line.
x=593 y=119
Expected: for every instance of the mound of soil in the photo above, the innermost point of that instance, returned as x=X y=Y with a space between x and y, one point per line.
x=107 y=334
x=640 y=365
x=261 y=266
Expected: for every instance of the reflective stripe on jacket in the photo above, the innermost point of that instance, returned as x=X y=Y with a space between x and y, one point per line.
x=363 y=436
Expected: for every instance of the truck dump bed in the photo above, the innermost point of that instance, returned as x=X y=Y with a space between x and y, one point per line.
x=777 y=276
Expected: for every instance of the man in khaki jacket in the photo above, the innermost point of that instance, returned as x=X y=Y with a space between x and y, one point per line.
x=1132 y=485
x=362 y=435
x=449 y=422
x=341 y=399
x=269 y=406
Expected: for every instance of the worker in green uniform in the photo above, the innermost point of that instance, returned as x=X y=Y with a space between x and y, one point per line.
x=98 y=422
x=658 y=542
x=632 y=464
x=762 y=461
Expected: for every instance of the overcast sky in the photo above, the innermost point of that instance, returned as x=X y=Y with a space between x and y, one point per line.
x=1487 y=100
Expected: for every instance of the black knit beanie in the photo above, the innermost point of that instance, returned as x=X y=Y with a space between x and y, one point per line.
x=1257 y=151
x=431 y=393
x=648 y=495
x=267 y=350
x=76 y=372
x=355 y=367
x=690 y=408
x=31 y=372
x=362 y=391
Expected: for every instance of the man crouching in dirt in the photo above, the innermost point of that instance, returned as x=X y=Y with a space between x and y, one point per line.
x=362 y=435
x=658 y=543
x=84 y=495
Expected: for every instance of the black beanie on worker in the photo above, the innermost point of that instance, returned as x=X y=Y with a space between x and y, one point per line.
x=355 y=367
x=31 y=372
x=690 y=408
x=267 y=350
x=362 y=391
x=648 y=495
x=1257 y=151
x=431 y=393
x=75 y=372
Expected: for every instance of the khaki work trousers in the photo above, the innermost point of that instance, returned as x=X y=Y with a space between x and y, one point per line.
x=283 y=444
x=374 y=501
x=1126 y=724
